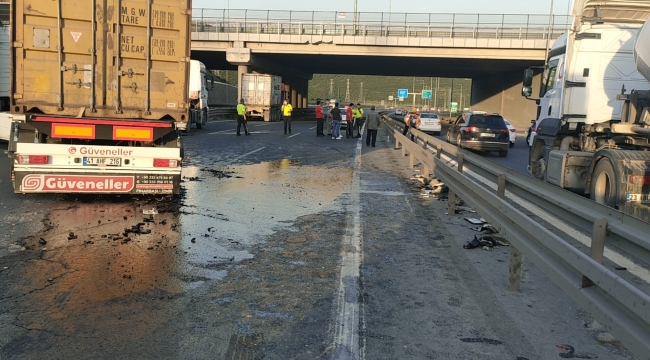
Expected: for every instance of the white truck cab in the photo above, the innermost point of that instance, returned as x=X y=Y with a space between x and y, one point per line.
x=198 y=94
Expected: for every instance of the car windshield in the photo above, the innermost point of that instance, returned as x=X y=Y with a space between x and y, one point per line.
x=493 y=121
x=429 y=116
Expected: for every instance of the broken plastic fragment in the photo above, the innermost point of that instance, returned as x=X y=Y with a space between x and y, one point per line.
x=150 y=212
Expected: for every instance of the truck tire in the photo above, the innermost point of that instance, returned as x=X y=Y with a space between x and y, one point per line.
x=203 y=119
x=604 y=188
x=537 y=161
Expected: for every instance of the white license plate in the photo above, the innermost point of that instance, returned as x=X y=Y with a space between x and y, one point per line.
x=487 y=135
x=100 y=161
x=639 y=198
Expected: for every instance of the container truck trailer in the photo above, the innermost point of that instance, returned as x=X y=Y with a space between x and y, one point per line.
x=103 y=86
x=262 y=94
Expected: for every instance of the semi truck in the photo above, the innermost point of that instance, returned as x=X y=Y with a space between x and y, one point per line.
x=103 y=87
x=198 y=93
x=593 y=126
x=262 y=95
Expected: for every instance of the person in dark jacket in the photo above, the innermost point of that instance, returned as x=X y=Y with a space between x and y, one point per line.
x=373 y=121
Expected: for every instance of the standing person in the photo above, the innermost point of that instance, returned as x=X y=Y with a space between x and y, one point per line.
x=328 y=119
x=335 y=114
x=241 y=118
x=406 y=124
x=349 y=121
x=358 y=119
x=414 y=123
x=372 y=124
x=287 y=109
x=319 y=119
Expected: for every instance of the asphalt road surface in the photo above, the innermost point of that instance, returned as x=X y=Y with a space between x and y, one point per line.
x=280 y=247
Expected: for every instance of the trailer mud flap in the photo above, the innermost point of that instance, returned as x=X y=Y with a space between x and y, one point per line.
x=108 y=183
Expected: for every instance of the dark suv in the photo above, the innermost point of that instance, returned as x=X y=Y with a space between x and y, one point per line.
x=480 y=131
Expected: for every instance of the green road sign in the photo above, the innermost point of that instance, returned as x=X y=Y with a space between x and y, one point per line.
x=426 y=94
x=454 y=107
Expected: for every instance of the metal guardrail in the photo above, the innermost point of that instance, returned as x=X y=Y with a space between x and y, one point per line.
x=465 y=26
x=622 y=308
x=222 y=112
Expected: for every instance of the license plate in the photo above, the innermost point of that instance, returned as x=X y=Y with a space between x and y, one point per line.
x=638 y=198
x=487 y=135
x=100 y=161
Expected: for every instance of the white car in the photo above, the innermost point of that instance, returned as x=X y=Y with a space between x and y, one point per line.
x=513 y=133
x=532 y=132
x=430 y=123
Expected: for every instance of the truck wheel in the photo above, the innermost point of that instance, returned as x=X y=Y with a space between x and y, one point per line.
x=537 y=162
x=447 y=137
x=201 y=119
x=603 y=184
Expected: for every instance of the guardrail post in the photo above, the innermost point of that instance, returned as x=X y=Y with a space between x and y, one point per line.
x=461 y=162
x=501 y=188
x=427 y=171
x=597 y=246
x=439 y=152
x=397 y=145
x=403 y=151
x=411 y=160
x=451 y=206
x=425 y=144
x=515 y=269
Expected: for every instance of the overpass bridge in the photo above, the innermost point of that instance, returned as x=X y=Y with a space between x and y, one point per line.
x=492 y=50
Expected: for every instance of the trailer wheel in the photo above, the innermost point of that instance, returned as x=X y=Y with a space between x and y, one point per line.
x=537 y=161
x=603 y=184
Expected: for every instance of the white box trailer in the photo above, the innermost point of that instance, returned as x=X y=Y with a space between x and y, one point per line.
x=262 y=94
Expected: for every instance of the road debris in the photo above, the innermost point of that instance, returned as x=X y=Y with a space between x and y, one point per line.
x=72 y=236
x=570 y=353
x=150 y=212
x=42 y=241
x=475 y=221
x=485 y=242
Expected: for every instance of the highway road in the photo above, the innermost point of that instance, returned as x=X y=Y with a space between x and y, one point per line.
x=280 y=247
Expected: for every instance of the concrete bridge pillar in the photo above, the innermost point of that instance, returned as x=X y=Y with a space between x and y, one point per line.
x=241 y=70
x=501 y=93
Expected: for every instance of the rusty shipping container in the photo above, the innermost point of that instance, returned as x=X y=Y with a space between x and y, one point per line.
x=101 y=59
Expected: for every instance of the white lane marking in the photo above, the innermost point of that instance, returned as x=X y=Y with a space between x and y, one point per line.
x=347 y=316
x=612 y=255
x=289 y=137
x=220 y=132
x=263 y=124
x=248 y=153
x=312 y=128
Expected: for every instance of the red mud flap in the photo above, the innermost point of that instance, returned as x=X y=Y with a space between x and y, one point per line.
x=97 y=184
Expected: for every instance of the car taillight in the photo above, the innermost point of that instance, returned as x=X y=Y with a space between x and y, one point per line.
x=640 y=180
x=165 y=163
x=513 y=130
x=504 y=131
x=470 y=129
x=33 y=159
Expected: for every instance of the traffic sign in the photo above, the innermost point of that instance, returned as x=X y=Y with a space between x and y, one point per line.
x=426 y=94
x=390 y=98
x=401 y=99
x=403 y=93
x=454 y=106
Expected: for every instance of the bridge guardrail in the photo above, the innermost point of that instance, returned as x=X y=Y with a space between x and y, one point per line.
x=379 y=24
x=408 y=31
x=622 y=308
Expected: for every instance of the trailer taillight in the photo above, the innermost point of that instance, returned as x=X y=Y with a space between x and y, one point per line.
x=165 y=163
x=33 y=159
x=639 y=180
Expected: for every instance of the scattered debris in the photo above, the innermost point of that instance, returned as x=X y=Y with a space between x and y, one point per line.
x=193 y=240
x=571 y=354
x=485 y=242
x=72 y=236
x=489 y=229
x=475 y=221
x=136 y=229
x=125 y=217
x=150 y=212
x=42 y=241
x=620 y=268
x=605 y=337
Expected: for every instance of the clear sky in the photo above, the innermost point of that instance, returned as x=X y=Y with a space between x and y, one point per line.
x=422 y=6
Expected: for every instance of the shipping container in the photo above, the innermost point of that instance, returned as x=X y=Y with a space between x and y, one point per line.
x=262 y=95
x=220 y=94
x=5 y=50
x=106 y=59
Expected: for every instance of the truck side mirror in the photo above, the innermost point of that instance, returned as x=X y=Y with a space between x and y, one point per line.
x=526 y=91
x=528 y=78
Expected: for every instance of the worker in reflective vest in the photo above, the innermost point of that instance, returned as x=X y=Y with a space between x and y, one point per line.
x=241 y=118
x=358 y=115
x=287 y=109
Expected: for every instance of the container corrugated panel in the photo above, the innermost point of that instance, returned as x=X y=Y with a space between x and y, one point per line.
x=5 y=49
x=261 y=90
x=106 y=59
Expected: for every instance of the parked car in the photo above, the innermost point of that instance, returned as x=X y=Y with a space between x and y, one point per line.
x=480 y=131
x=513 y=133
x=430 y=123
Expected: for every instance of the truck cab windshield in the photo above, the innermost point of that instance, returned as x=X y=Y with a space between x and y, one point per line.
x=548 y=77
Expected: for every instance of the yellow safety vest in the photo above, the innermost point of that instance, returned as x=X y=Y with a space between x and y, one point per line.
x=357 y=113
x=287 y=109
x=241 y=109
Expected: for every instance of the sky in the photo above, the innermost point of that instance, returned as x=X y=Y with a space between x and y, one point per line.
x=421 y=6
